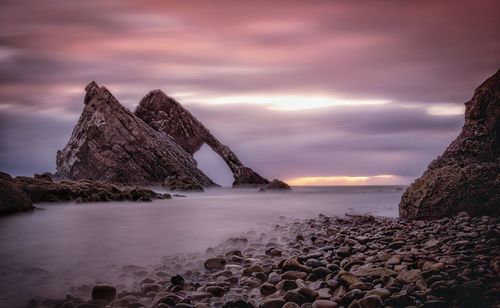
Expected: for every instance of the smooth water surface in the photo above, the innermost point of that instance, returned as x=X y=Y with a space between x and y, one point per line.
x=44 y=252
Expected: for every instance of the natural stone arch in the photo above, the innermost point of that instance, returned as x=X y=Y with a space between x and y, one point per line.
x=165 y=114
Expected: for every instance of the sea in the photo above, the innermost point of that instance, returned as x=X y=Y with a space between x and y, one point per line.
x=58 y=246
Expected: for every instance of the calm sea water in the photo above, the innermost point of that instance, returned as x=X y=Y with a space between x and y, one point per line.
x=44 y=252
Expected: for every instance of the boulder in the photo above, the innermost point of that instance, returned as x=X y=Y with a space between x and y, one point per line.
x=12 y=198
x=103 y=292
x=466 y=177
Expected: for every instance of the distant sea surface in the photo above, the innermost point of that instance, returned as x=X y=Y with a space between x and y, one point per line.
x=68 y=244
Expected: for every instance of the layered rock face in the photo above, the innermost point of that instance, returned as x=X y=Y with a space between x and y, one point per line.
x=165 y=114
x=467 y=176
x=111 y=144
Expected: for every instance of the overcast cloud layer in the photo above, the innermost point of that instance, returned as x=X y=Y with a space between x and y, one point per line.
x=297 y=88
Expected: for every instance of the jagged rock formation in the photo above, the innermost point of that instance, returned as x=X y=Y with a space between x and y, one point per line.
x=111 y=144
x=165 y=114
x=467 y=176
x=12 y=198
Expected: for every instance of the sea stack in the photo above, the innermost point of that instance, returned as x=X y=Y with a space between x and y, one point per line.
x=165 y=114
x=109 y=143
x=467 y=176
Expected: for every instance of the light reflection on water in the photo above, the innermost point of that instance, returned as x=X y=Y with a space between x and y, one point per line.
x=45 y=252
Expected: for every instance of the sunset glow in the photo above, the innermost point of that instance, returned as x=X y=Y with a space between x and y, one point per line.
x=384 y=179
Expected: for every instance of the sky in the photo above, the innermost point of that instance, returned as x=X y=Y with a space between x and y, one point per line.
x=312 y=92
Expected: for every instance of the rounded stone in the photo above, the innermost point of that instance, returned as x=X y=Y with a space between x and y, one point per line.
x=322 y=303
x=104 y=292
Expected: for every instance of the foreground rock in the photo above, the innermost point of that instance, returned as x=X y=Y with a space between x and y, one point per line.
x=325 y=262
x=166 y=115
x=12 y=198
x=111 y=144
x=467 y=176
x=43 y=189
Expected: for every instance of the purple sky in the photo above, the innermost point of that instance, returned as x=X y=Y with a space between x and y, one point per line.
x=339 y=92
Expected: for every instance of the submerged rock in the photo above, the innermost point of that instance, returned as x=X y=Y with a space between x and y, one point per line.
x=467 y=176
x=111 y=144
x=166 y=115
x=12 y=198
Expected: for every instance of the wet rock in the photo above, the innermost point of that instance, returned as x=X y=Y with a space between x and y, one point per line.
x=409 y=276
x=267 y=289
x=238 y=303
x=104 y=292
x=374 y=271
x=321 y=303
x=293 y=275
x=216 y=263
x=216 y=290
x=293 y=264
x=273 y=303
x=294 y=297
x=309 y=294
x=371 y=301
x=348 y=278
x=177 y=280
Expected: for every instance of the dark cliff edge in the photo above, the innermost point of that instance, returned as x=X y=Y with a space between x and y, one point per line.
x=467 y=176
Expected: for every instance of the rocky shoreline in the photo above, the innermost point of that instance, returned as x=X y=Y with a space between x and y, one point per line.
x=20 y=193
x=325 y=262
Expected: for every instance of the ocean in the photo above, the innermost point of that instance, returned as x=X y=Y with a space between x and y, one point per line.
x=64 y=245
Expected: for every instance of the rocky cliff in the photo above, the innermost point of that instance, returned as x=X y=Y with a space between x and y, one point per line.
x=165 y=114
x=111 y=144
x=467 y=176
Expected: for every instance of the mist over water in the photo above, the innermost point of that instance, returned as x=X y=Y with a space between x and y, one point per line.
x=45 y=252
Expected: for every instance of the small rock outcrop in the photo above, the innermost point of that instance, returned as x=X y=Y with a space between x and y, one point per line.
x=12 y=198
x=467 y=176
x=165 y=114
x=111 y=144
x=276 y=185
x=43 y=189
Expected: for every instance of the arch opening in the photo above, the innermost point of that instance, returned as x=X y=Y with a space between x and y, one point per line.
x=213 y=166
